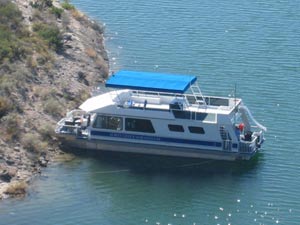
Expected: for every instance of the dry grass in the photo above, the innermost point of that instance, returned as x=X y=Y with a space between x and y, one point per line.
x=5 y=106
x=17 y=188
x=77 y=15
x=44 y=92
x=102 y=66
x=31 y=62
x=91 y=53
x=33 y=143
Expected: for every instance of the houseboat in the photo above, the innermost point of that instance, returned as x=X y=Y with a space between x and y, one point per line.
x=162 y=114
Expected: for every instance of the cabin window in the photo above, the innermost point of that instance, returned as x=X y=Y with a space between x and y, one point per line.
x=180 y=114
x=196 y=130
x=176 y=128
x=206 y=117
x=108 y=122
x=139 y=125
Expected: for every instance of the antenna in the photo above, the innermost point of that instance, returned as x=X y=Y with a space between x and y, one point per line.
x=235 y=109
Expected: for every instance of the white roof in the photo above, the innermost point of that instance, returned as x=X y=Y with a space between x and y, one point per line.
x=94 y=103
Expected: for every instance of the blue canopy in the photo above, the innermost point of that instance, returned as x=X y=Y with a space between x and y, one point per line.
x=150 y=81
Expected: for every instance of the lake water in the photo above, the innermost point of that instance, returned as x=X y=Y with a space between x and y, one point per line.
x=253 y=44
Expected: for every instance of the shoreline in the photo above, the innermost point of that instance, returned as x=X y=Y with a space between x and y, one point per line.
x=67 y=78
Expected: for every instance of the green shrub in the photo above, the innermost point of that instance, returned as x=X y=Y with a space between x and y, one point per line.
x=53 y=107
x=66 y=5
x=11 y=30
x=7 y=84
x=56 y=11
x=41 y=4
x=47 y=3
x=41 y=47
x=46 y=131
x=10 y=46
x=12 y=122
x=6 y=49
x=10 y=14
x=50 y=33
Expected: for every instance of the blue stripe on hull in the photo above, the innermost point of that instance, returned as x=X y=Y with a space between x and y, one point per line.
x=155 y=138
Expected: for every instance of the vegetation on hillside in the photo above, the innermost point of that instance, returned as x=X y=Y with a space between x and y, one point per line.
x=49 y=59
x=12 y=32
x=28 y=53
x=66 y=5
x=23 y=52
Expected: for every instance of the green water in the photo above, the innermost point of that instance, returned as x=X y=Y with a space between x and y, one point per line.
x=254 y=44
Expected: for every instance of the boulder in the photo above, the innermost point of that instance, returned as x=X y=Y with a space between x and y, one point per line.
x=43 y=162
x=4 y=176
x=17 y=149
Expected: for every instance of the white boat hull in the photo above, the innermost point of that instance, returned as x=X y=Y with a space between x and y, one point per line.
x=152 y=149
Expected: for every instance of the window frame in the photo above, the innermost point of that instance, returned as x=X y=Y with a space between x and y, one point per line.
x=108 y=124
x=174 y=128
x=196 y=130
x=136 y=125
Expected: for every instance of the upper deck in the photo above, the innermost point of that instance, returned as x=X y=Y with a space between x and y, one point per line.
x=157 y=91
x=170 y=101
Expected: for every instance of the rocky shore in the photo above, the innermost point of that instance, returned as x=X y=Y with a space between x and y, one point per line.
x=47 y=82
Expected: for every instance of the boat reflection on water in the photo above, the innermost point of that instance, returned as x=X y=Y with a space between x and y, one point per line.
x=178 y=166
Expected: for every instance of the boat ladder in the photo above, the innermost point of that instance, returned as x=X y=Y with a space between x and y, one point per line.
x=199 y=99
x=227 y=142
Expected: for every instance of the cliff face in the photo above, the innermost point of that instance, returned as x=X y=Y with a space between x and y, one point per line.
x=51 y=57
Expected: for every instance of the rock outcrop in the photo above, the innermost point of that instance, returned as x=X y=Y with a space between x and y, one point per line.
x=48 y=78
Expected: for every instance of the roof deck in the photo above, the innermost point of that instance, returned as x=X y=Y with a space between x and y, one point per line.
x=170 y=101
x=145 y=98
x=158 y=91
x=146 y=81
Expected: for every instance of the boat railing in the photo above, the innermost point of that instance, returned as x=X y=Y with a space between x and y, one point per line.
x=248 y=146
x=70 y=123
x=209 y=100
x=157 y=94
x=252 y=142
x=195 y=99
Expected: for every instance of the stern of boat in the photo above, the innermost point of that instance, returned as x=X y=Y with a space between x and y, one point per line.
x=71 y=127
x=251 y=137
x=251 y=142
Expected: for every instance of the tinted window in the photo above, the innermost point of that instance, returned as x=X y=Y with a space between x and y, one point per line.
x=108 y=122
x=197 y=130
x=182 y=114
x=176 y=128
x=208 y=117
x=139 y=125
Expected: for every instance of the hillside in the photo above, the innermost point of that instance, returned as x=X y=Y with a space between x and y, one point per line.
x=51 y=57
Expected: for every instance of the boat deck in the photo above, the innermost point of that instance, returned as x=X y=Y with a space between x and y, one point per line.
x=162 y=101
